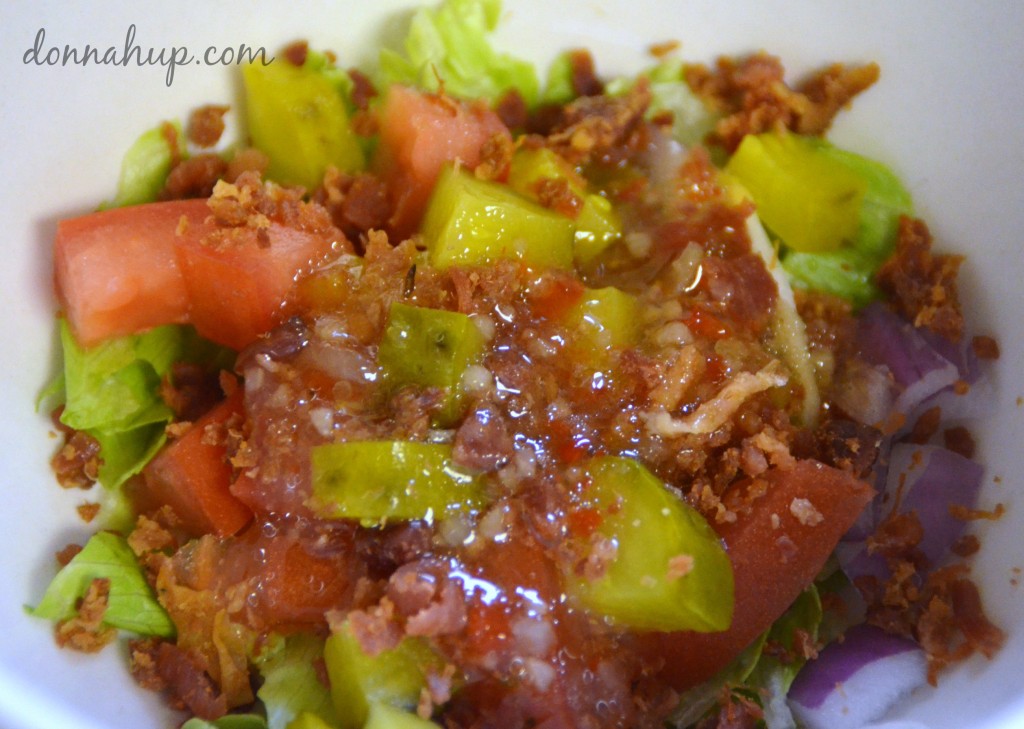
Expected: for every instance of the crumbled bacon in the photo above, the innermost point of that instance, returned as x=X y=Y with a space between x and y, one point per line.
x=753 y=96
x=959 y=440
x=985 y=347
x=77 y=463
x=584 y=80
x=194 y=177
x=206 y=125
x=593 y=128
x=362 y=89
x=922 y=286
x=85 y=631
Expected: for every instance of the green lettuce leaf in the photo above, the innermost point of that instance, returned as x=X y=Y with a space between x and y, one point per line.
x=290 y=684
x=146 y=164
x=804 y=614
x=111 y=392
x=131 y=604
x=450 y=45
x=230 y=721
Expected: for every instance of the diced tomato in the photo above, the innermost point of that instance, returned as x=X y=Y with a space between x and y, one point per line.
x=419 y=133
x=123 y=271
x=116 y=271
x=777 y=546
x=237 y=284
x=192 y=475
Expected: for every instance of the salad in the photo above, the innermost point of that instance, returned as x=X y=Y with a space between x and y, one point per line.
x=451 y=397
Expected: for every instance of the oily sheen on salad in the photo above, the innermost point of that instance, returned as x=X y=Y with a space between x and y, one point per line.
x=444 y=396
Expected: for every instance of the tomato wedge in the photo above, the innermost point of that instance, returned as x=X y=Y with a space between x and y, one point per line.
x=419 y=133
x=788 y=523
x=192 y=475
x=116 y=271
x=123 y=271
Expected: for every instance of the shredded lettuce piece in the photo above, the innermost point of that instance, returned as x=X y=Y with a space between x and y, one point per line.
x=697 y=701
x=111 y=392
x=230 y=721
x=449 y=45
x=290 y=685
x=146 y=164
x=131 y=604
x=692 y=119
x=803 y=615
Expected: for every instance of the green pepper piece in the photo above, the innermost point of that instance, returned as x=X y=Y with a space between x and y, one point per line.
x=383 y=716
x=298 y=118
x=430 y=348
x=380 y=480
x=597 y=224
x=471 y=222
x=811 y=200
x=669 y=570
x=393 y=677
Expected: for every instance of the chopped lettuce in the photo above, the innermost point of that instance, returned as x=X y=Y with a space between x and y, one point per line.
x=146 y=164
x=290 y=684
x=131 y=604
x=230 y=721
x=803 y=615
x=111 y=392
x=449 y=46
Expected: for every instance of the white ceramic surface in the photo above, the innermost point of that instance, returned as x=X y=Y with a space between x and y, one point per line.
x=946 y=115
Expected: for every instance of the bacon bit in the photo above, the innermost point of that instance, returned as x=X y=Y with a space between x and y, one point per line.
x=960 y=387
x=660 y=50
x=959 y=440
x=556 y=194
x=88 y=511
x=922 y=286
x=362 y=89
x=194 y=177
x=206 y=124
x=85 y=632
x=805 y=512
x=985 y=347
x=495 y=158
x=593 y=127
x=679 y=566
x=958 y=511
x=296 y=53
x=926 y=426
x=753 y=96
x=142 y=663
x=170 y=134
x=512 y=109
x=77 y=463
x=68 y=553
x=584 y=79
x=966 y=546
x=244 y=160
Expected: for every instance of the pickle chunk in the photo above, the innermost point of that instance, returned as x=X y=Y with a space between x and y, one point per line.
x=597 y=223
x=298 y=118
x=657 y=564
x=393 y=678
x=471 y=222
x=430 y=348
x=383 y=716
x=809 y=199
x=377 y=481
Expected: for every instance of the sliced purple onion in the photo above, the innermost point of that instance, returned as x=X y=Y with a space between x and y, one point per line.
x=856 y=681
x=925 y=479
x=918 y=368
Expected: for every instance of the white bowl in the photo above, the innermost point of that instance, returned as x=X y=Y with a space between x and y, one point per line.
x=946 y=116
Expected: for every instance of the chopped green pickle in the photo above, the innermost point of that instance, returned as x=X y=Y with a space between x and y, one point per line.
x=597 y=225
x=604 y=319
x=471 y=222
x=810 y=199
x=383 y=716
x=308 y=720
x=378 y=481
x=668 y=570
x=430 y=348
x=392 y=677
x=297 y=117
